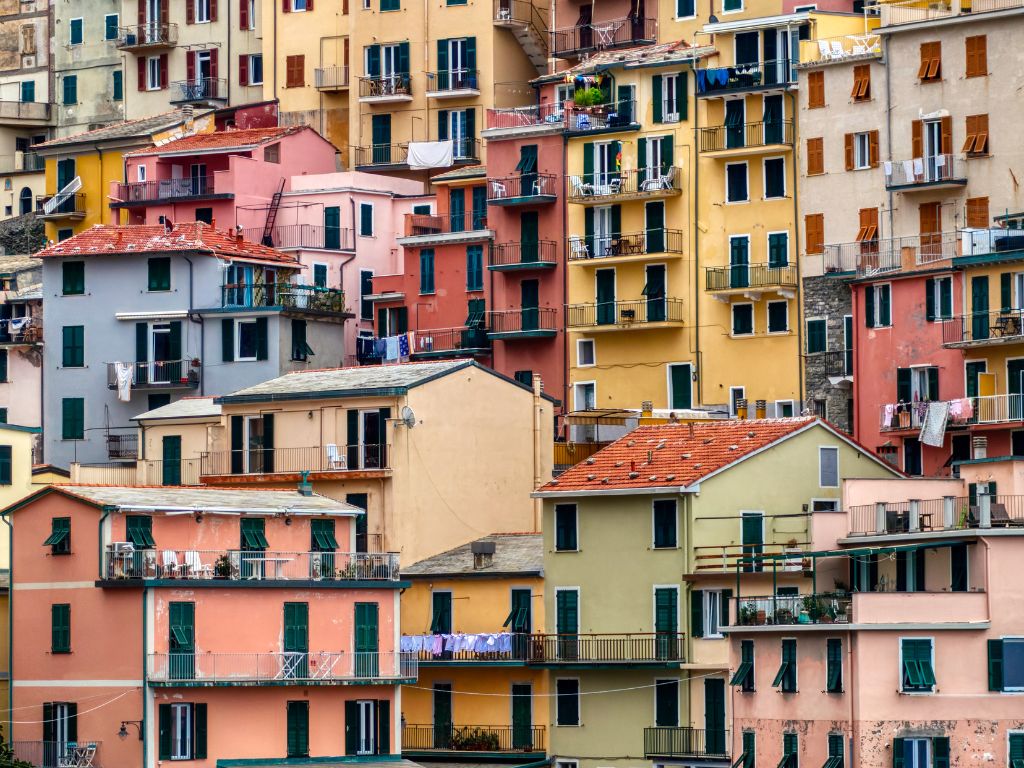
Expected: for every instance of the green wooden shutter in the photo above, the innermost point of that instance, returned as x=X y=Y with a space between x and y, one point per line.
x=567 y=612
x=940 y=752
x=588 y=162
x=174 y=346
x=696 y=613
x=403 y=58
x=442 y=127
x=442 y=64
x=351 y=727
x=3 y=365
x=1006 y=290
x=296 y=628
x=903 y=385
x=946 y=297
x=869 y=306
x=641 y=158
x=616 y=221
x=383 y=727
x=898 y=760
x=60 y=628
x=1016 y=747
x=724 y=611
x=683 y=94
x=199 y=731
x=834 y=664
x=884 y=313
x=933 y=386
x=666 y=610
x=141 y=342
x=666 y=703
x=261 y=338
x=227 y=340
x=588 y=229
x=6 y=458
x=929 y=298
x=667 y=149
x=656 y=97
x=165 y=731
x=298 y=729
x=995 y=665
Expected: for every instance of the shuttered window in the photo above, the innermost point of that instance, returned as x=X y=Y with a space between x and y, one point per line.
x=565 y=528
x=665 y=524
x=785 y=678
x=977 y=212
x=868 y=229
x=930 y=70
x=815 y=89
x=861 y=83
x=918 y=674
x=977 y=55
x=744 y=676
x=426 y=270
x=73 y=274
x=160 y=274
x=567 y=708
x=834 y=665
x=815 y=156
x=789 y=750
x=6 y=465
x=60 y=628
x=73 y=350
x=835 y=751
x=295 y=71
x=817 y=337
x=976 y=142
x=828 y=467
x=814 y=233
x=139 y=531
x=73 y=418
x=59 y=539
x=742 y=319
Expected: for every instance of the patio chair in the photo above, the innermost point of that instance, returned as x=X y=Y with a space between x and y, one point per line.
x=169 y=563
x=824 y=51
x=1001 y=519
x=335 y=458
x=667 y=180
x=837 y=50
x=859 y=50
x=579 y=187
x=498 y=189
x=578 y=248
x=195 y=568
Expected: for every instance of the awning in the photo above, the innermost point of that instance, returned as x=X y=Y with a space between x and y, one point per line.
x=167 y=314
x=600 y=416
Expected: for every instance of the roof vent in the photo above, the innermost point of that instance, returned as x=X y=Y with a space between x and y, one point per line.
x=634 y=475
x=483 y=554
x=305 y=487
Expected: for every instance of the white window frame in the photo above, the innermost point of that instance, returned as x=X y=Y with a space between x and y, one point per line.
x=753 y=320
x=670 y=98
x=712 y=599
x=833 y=502
x=576 y=393
x=579 y=705
x=926 y=740
x=839 y=479
x=239 y=322
x=295 y=6
x=152 y=73
x=807 y=333
x=567 y=764
x=327 y=269
x=746 y=173
x=877 y=290
x=668 y=381
x=654 y=525
x=117 y=24
x=367 y=735
x=764 y=179
x=732 y=400
x=201 y=5
x=861 y=151
x=767 y=314
x=1010 y=638
x=182 y=747
x=580 y=343
x=70 y=24
x=373 y=219
x=931 y=640
x=792 y=406
x=367 y=5
x=252 y=13
x=937 y=294
x=252 y=68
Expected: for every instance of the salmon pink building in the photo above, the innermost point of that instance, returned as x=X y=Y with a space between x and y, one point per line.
x=154 y=617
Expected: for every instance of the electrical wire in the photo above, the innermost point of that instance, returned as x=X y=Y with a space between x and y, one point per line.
x=79 y=714
x=34 y=706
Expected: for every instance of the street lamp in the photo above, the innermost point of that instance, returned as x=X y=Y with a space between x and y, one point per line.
x=123 y=733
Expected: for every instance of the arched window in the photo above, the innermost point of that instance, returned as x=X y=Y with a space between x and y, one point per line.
x=25 y=201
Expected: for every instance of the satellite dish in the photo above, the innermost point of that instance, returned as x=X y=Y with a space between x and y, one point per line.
x=408 y=417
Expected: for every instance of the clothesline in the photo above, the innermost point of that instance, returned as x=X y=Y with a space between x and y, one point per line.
x=488 y=642
x=387 y=348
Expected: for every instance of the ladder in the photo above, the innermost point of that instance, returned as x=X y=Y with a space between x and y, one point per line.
x=268 y=227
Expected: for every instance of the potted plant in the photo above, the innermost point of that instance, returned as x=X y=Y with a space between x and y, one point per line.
x=747 y=614
x=813 y=606
x=842 y=588
x=222 y=567
x=586 y=99
x=783 y=616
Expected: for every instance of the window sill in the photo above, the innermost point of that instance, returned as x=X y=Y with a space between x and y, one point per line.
x=567 y=551
x=671 y=548
x=244 y=360
x=973 y=156
x=737 y=202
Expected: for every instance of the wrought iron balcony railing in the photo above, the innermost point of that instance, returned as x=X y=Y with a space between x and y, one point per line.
x=359 y=457
x=523 y=255
x=570 y=42
x=386 y=87
x=446 y=737
x=159 y=374
x=928 y=171
x=508 y=323
x=685 y=742
x=754 y=75
x=199 y=90
x=526 y=188
x=330 y=78
x=635 y=183
x=745 y=135
x=290 y=236
x=292 y=296
x=382 y=154
x=750 y=276
x=452 y=341
x=624 y=314
x=168 y=189
x=628 y=244
x=622 y=648
x=288 y=667
x=153 y=34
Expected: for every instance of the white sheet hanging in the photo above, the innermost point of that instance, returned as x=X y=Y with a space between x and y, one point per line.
x=431 y=154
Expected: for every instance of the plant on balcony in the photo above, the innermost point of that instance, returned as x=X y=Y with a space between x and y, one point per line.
x=814 y=606
x=475 y=740
x=222 y=567
x=585 y=98
x=348 y=573
x=747 y=613
x=783 y=616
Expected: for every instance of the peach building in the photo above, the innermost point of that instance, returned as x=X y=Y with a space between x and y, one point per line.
x=145 y=619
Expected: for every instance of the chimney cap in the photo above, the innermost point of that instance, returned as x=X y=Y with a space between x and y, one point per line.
x=482 y=547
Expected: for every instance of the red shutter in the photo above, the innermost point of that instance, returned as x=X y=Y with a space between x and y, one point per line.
x=190 y=11
x=190 y=66
x=243 y=14
x=142 y=11
x=243 y=69
x=309 y=5
x=286 y=6
x=165 y=11
x=213 y=67
x=213 y=10
x=164 y=79
x=142 y=73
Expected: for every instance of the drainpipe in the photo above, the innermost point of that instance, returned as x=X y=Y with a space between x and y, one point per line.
x=202 y=330
x=696 y=244
x=854 y=689
x=145 y=679
x=566 y=405
x=796 y=241
x=888 y=120
x=103 y=518
x=537 y=403
x=10 y=624
x=228 y=78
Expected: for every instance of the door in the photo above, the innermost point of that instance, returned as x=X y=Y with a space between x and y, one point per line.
x=912 y=456
x=182 y=641
x=654 y=290
x=654 y=216
x=746 y=47
x=60 y=728
x=298 y=729
x=567 y=623
x=332 y=228
x=972 y=373
x=735 y=128
x=932 y=150
x=171 y=474
x=381 y=139
x=457 y=209
x=65 y=175
x=373 y=426
x=529 y=236
x=160 y=353
x=521 y=621
x=253 y=547
x=366 y=661
x=930 y=220
x=255 y=443
x=753 y=541
x=530 y=301
x=739 y=262
x=604 y=231
x=522 y=717
x=714 y=715
x=680 y=386
x=979 y=307
x=666 y=622
x=605 y=293
x=459 y=133
x=1015 y=388
x=772 y=120
x=442 y=715
x=458 y=66
x=584 y=30
x=295 y=659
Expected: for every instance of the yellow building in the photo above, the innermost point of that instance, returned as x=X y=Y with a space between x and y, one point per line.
x=478 y=696
x=80 y=169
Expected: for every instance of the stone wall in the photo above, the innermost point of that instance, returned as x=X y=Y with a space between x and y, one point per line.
x=829 y=298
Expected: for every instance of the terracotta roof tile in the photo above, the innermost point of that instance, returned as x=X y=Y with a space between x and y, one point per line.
x=674 y=455
x=107 y=239
x=204 y=142
x=141 y=128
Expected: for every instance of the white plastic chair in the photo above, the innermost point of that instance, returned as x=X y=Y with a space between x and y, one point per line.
x=578 y=248
x=837 y=50
x=579 y=188
x=194 y=566
x=498 y=189
x=335 y=458
x=824 y=51
x=170 y=562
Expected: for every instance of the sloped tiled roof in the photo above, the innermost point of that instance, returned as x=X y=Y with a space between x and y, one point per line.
x=108 y=239
x=142 y=128
x=185 y=408
x=514 y=553
x=467 y=172
x=674 y=455
x=627 y=58
x=199 y=499
x=225 y=140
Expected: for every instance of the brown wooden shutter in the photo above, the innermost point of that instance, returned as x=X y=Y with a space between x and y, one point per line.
x=190 y=66
x=142 y=12
x=190 y=12
x=814 y=232
x=243 y=14
x=981 y=139
x=977 y=56
x=930 y=217
x=213 y=68
x=861 y=82
x=164 y=74
x=165 y=11
x=816 y=89
x=977 y=212
x=286 y=6
x=142 y=73
x=243 y=69
x=868 y=221
x=815 y=156
x=873 y=148
x=947 y=135
x=213 y=10
x=848 y=151
x=917 y=138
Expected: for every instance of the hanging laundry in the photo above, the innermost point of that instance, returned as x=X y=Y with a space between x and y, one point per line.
x=403 y=346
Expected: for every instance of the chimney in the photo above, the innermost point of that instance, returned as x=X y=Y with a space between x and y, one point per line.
x=213 y=223
x=646 y=409
x=760 y=409
x=741 y=408
x=120 y=236
x=980 y=447
x=305 y=487
x=168 y=226
x=483 y=554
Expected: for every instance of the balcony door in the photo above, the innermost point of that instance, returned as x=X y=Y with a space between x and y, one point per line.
x=745 y=45
x=367 y=663
x=933 y=166
x=372 y=429
x=529 y=237
x=602 y=230
x=295 y=645
x=666 y=622
x=151 y=32
x=752 y=536
x=714 y=715
x=522 y=717
x=735 y=119
x=979 y=307
x=530 y=303
x=567 y=623
x=459 y=66
x=1015 y=388
x=182 y=641
x=60 y=728
x=380 y=149
x=605 y=295
x=654 y=292
x=442 y=715
x=654 y=215
x=739 y=262
x=171 y=460
x=238 y=285
x=772 y=119
x=163 y=347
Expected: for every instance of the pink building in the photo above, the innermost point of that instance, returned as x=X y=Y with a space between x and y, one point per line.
x=21 y=341
x=190 y=607
x=904 y=647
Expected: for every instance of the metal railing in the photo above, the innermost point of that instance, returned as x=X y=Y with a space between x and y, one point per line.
x=465 y=149
x=891 y=254
x=57 y=754
x=152 y=34
x=526 y=187
x=24 y=110
x=433 y=341
x=453 y=80
x=685 y=742
x=750 y=276
x=161 y=374
x=986 y=409
x=199 y=89
x=322 y=458
x=549 y=113
x=748 y=557
x=913 y=11
x=747 y=76
x=836 y=362
x=247 y=565
x=934 y=169
x=446 y=737
x=307 y=298
x=637 y=182
x=382 y=154
x=601 y=35
x=569 y=454
x=330 y=78
x=823 y=608
x=167 y=189
x=423 y=224
x=624 y=313
x=628 y=244
x=983 y=327
x=840 y=47
x=741 y=135
x=522 y=321
x=523 y=254
x=286 y=236
x=523 y=12
x=68 y=205
x=124 y=446
x=21 y=330
x=105 y=473
x=947 y=513
x=22 y=161
x=299 y=667
x=607 y=648
x=398 y=86
x=615 y=114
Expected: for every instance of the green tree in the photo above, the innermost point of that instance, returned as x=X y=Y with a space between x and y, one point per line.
x=7 y=758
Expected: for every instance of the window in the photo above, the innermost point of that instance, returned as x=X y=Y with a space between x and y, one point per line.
x=73 y=418
x=567 y=707
x=774 y=178
x=749 y=747
x=70 y=84
x=76 y=32
x=202 y=11
x=1006 y=664
x=834 y=665
x=64 y=234
x=742 y=319
x=977 y=212
x=709 y=611
x=139 y=531
x=685 y=9
x=778 y=316
x=868 y=231
x=566 y=536
x=1016 y=749
x=828 y=467
x=60 y=628
x=295 y=71
x=153 y=79
x=253 y=70
x=939 y=298
x=59 y=539
x=365 y=289
x=390 y=5
x=665 y=535
x=917 y=665
x=28 y=91
x=474 y=268
x=160 y=274
x=670 y=98
x=815 y=156
x=815 y=89
x=73 y=355
x=976 y=142
x=426 y=270
x=247 y=339
x=182 y=731
x=817 y=335
x=298 y=6
x=297 y=738
x=110 y=22
x=785 y=678
x=272 y=153
x=730 y=6
x=861 y=150
x=118 y=85
x=744 y=676
x=877 y=311
x=320 y=275
x=861 y=83
x=835 y=750
x=301 y=351
x=921 y=752
x=366 y=219
x=930 y=70
x=789 y=750
x=6 y=458
x=977 y=56
x=586 y=353
x=736 y=183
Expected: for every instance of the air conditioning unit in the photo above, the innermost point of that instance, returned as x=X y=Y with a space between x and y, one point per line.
x=122 y=546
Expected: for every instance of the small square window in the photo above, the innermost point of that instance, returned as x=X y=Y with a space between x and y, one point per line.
x=742 y=319
x=778 y=316
x=159 y=274
x=861 y=151
x=586 y=353
x=736 y=189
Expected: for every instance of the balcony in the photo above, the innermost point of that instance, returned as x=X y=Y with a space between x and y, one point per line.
x=124 y=446
x=123 y=563
x=523 y=189
x=514 y=652
x=745 y=139
x=21 y=330
x=29 y=111
x=463 y=341
x=159 y=374
x=983 y=329
x=58 y=754
x=568 y=454
x=61 y=206
x=625 y=315
x=331 y=79
x=788 y=610
x=841 y=48
x=951 y=513
x=22 y=162
x=357 y=460
x=915 y=12
x=836 y=365
x=448 y=738
x=139 y=472
x=534 y=120
x=748 y=279
x=631 y=246
x=869 y=257
x=441 y=228
x=528 y=24
x=288 y=237
x=652 y=649
x=507 y=257
x=963 y=412
x=291 y=297
x=686 y=742
x=306 y=668
x=926 y=174
x=614 y=117
x=526 y=323
x=727 y=558
x=777 y=74
x=168 y=191
x=385 y=89
x=636 y=184
x=202 y=91
x=151 y=36
x=453 y=84
x=382 y=157
x=625 y=32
